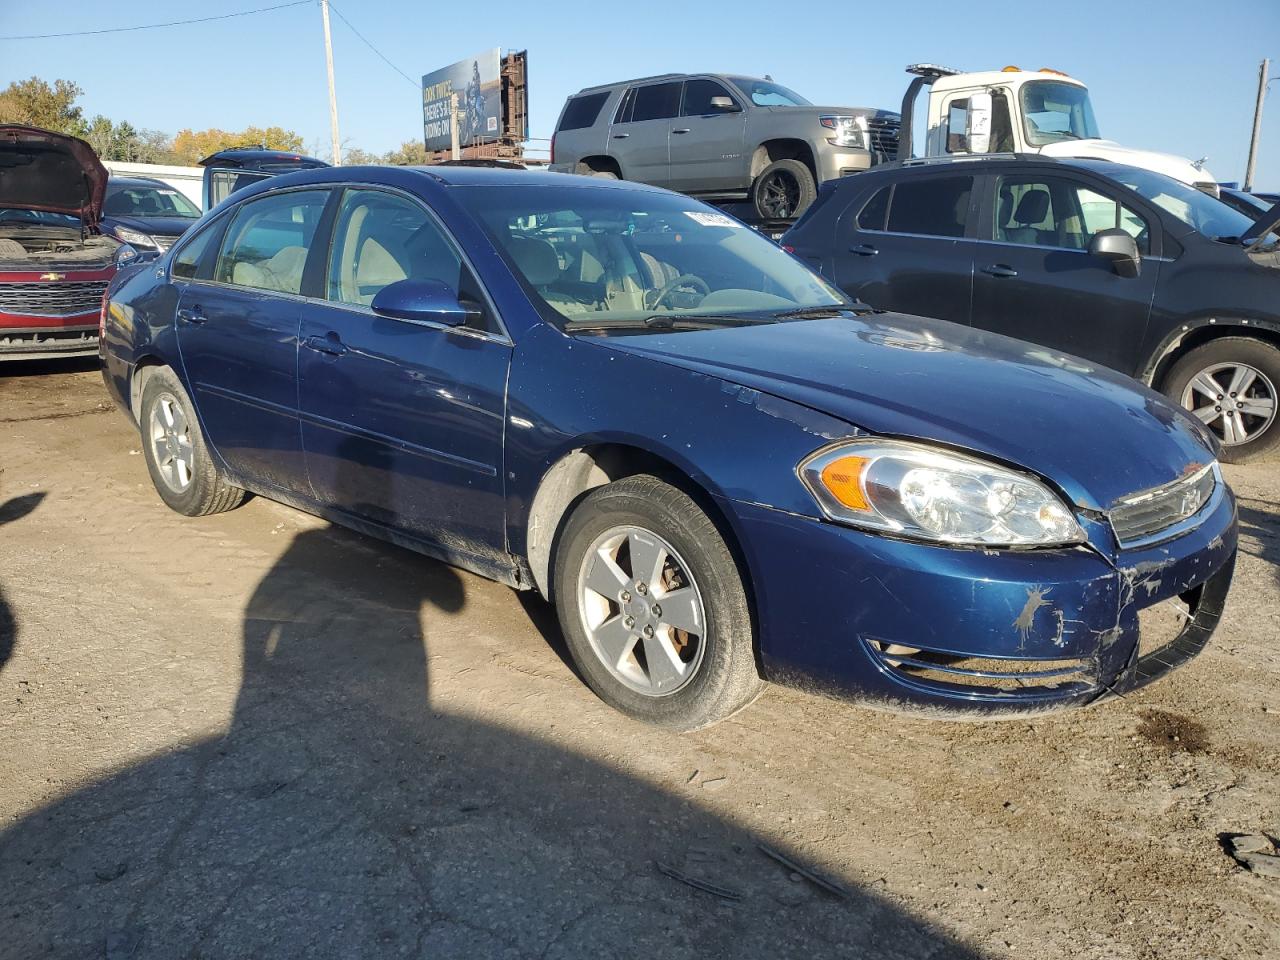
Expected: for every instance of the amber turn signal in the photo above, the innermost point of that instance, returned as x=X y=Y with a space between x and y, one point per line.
x=843 y=478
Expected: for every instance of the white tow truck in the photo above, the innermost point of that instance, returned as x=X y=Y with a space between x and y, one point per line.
x=1023 y=111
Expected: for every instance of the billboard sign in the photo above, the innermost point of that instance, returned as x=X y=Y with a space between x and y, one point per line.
x=477 y=82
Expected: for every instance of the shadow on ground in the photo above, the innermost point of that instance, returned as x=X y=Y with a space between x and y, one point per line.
x=1260 y=532
x=11 y=510
x=342 y=816
x=44 y=368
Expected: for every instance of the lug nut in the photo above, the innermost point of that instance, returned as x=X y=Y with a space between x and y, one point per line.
x=657 y=610
x=629 y=622
x=648 y=631
x=626 y=596
x=642 y=588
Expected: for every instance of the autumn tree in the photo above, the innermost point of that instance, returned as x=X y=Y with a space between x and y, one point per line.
x=38 y=104
x=191 y=146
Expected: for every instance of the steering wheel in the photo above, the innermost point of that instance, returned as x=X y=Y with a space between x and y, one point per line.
x=684 y=280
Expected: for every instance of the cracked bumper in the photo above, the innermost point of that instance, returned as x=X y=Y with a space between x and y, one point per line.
x=849 y=613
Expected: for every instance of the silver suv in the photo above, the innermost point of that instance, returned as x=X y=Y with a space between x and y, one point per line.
x=721 y=138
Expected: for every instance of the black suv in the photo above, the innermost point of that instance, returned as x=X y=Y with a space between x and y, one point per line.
x=1119 y=265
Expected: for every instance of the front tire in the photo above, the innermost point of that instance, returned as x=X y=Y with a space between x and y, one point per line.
x=652 y=607
x=1231 y=384
x=181 y=467
x=783 y=191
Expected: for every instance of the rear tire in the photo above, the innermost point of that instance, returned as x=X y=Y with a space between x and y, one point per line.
x=181 y=467
x=783 y=191
x=618 y=636
x=1244 y=418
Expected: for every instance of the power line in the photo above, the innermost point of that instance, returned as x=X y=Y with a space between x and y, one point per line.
x=415 y=83
x=154 y=26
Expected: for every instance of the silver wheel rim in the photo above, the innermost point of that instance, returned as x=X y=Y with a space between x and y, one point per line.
x=642 y=611
x=1234 y=400
x=170 y=435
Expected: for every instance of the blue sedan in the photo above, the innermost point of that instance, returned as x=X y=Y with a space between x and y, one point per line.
x=719 y=469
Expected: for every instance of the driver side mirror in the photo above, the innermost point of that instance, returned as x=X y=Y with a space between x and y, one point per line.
x=977 y=127
x=1120 y=248
x=724 y=104
x=423 y=301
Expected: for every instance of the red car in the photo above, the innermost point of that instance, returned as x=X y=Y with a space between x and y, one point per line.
x=54 y=265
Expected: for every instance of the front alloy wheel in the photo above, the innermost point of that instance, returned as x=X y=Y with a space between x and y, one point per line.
x=1234 y=400
x=642 y=610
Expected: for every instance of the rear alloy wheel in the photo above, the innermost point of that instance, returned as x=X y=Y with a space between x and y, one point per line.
x=784 y=190
x=1230 y=385
x=653 y=608
x=182 y=470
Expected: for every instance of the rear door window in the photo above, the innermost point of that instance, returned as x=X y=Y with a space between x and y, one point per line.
x=658 y=101
x=267 y=244
x=873 y=214
x=581 y=112
x=936 y=207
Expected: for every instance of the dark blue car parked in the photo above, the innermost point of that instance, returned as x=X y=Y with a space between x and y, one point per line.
x=719 y=469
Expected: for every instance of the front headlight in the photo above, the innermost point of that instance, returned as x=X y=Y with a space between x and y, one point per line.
x=849 y=131
x=914 y=490
x=135 y=239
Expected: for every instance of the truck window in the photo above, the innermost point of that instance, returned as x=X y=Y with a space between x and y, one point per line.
x=581 y=112
x=698 y=95
x=957 y=124
x=658 y=101
x=937 y=207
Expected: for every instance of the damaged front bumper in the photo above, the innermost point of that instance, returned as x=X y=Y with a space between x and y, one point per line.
x=917 y=626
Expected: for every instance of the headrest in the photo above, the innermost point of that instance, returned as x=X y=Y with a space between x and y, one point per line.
x=536 y=259
x=1032 y=207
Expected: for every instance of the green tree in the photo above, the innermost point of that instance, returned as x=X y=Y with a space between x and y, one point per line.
x=410 y=153
x=37 y=103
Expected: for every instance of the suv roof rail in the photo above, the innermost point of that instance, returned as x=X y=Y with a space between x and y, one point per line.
x=969 y=158
x=627 y=83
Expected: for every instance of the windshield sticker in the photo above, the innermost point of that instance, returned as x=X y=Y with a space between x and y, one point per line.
x=708 y=219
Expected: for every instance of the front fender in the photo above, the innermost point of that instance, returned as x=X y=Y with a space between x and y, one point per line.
x=1161 y=355
x=736 y=443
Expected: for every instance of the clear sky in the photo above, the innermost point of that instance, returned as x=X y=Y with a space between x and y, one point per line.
x=1173 y=75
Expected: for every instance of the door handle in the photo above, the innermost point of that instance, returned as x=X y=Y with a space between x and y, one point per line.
x=621 y=136
x=681 y=130
x=1000 y=270
x=330 y=345
x=863 y=250
x=193 y=315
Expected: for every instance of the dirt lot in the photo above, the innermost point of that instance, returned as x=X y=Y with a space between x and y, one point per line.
x=256 y=735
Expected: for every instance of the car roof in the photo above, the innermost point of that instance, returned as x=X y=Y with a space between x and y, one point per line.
x=600 y=88
x=134 y=182
x=1104 y=168
x=467 y=176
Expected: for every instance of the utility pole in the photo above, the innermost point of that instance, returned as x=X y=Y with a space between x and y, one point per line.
x=333 y=97
x=1257 y=125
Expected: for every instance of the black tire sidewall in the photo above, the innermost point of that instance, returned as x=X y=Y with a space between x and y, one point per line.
x=1256 y=353
x=723 y=683
x=803 y=177
x=192 y=501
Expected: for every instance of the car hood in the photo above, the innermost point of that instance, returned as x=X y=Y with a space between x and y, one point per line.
x=50 y=171
x=1097 y=435
x=1171 y=165
x=818 y=111
x=152 y=226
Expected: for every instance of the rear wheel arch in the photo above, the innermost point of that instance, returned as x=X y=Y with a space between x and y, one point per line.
x=599 y=164
x=142 y=371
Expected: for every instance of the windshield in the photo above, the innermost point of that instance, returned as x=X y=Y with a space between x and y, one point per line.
x=603 y=256
x=1053 y=111
x=766 y=93
x=38 y=218
x=140 y=200
x=1208 y=215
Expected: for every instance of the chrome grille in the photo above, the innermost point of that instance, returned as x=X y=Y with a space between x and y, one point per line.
x=52 y=299
x=1146 y=515
x=883 y=133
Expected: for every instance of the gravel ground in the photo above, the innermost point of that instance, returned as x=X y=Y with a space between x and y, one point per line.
x=257 y=735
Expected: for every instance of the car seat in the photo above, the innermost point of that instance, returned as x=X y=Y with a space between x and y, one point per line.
x=1032 y=209
x=538 y=262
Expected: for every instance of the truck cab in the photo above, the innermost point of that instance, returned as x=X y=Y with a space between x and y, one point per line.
x=1025 y=112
